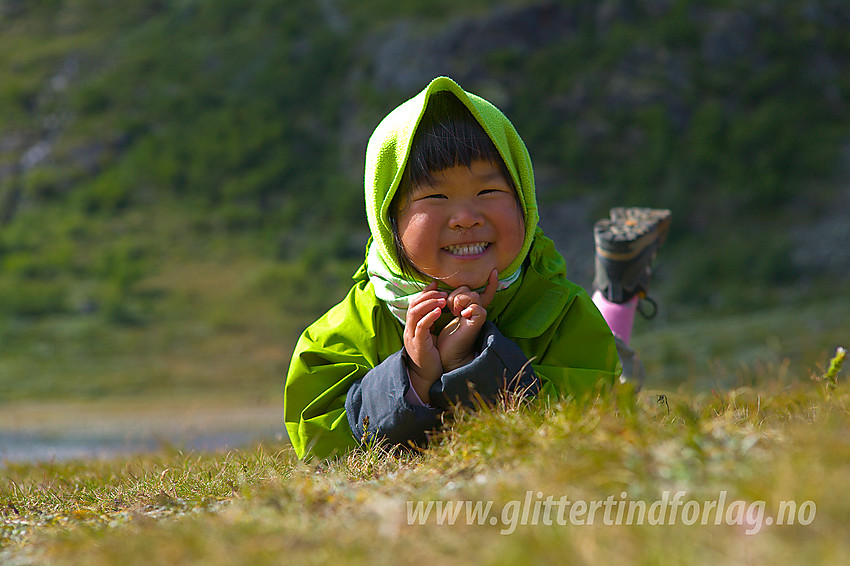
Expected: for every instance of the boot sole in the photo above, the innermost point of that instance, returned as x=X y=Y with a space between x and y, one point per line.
x=630 y=231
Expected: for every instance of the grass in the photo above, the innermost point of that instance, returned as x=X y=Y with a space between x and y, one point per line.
x=704 y=351
x=773 y=441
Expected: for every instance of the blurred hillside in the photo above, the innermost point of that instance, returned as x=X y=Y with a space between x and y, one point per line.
x=196 y=167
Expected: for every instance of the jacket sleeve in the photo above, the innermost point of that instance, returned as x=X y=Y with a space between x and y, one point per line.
x=335 y=351
x=377 y=408
x=499 y=365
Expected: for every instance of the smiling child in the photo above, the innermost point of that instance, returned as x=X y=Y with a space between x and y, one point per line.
x=460 y=297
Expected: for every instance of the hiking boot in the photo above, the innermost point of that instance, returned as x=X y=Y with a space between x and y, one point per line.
x=626 y=244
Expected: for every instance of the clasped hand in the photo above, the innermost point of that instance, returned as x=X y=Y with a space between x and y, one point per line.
x=430 y=355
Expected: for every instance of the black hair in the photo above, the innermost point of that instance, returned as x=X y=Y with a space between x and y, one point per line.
x=448 y=135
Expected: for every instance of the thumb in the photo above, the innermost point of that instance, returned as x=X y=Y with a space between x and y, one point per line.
x=490 y=290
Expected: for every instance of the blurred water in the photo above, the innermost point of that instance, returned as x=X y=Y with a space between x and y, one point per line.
x=41 y=432
x=39 y=447
x=35 y=447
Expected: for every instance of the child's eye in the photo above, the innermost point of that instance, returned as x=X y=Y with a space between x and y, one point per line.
x=489 y=191
x=434 y=195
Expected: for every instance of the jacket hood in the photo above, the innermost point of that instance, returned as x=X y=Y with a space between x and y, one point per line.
x=390 y=144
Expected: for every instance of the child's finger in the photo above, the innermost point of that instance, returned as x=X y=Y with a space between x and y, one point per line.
x=420 y=319
x=423 y=327
x=460 y=302
x=417 y=311
x=418 y=339
x=432 y=286
x=462 y=290
x=490 y=290
x=425 y=296
x=460 y=298
x=474 y=313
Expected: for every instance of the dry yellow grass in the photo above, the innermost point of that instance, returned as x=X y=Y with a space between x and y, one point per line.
x=748 y=450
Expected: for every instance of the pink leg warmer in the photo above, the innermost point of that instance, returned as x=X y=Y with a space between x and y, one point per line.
x=619 y=316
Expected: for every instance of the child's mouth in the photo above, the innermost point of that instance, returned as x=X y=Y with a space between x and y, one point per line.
x=473 y=249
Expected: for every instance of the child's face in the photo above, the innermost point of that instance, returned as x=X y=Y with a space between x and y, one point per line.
x=463 y=226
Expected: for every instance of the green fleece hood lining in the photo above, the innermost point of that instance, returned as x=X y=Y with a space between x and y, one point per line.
x=396 y=131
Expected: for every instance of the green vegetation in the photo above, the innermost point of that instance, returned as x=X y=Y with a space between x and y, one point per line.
x=763 y=446
x=175 y=176
x=241 y=117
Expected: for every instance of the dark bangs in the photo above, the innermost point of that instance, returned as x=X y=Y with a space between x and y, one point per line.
x=448 y=136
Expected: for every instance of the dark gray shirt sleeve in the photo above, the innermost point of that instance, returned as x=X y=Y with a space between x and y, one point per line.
x=499 y=365
x=379 y=397
x=380 y=394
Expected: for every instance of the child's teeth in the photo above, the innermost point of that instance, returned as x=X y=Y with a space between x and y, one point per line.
x=468 y=249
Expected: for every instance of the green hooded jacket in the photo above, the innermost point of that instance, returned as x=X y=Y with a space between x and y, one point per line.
x=551 y=319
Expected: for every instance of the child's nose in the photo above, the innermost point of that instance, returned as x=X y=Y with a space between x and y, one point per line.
x=464 y=217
